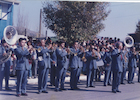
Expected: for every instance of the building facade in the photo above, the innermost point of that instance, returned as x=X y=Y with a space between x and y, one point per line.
x=6 y=14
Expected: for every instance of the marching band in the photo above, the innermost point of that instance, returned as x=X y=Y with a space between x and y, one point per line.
x=43 y=57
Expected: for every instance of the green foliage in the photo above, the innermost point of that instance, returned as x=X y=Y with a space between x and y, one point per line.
x=75 y=20
x=138 y=28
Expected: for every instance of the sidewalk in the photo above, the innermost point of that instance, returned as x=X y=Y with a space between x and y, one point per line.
x=12 y=80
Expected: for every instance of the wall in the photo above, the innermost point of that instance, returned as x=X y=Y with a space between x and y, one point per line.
x=8 y=19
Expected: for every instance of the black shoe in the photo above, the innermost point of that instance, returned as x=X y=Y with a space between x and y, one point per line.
x=44 y=91
x=77 y=88
x=24 y=94
x=129 y=82
x=118 y=91
x=132 y=83
x=72 y=89
x=78 y=81
x=123 y=83
x=114 y=91
x=87 y=87
x=8 y=89
x=104 y=84
x=63 y=89
x=39 y=92
x=92 y=86
x=110 y=84
x=56 y=90
x=18 y=95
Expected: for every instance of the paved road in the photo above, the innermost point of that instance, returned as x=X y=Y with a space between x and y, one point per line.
x=129 y=92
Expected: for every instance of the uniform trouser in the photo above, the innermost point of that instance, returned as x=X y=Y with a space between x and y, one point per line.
x=139 y=75
x=73 y=78
x=14 y=65
x=84 y=68
x=61 y=73
x=131 y=74
x=34 y=68
x=53 y=75
x=63 y=78
x=4 y=72
x=116 y=80
x=90 y=77
x=123 y=74
x=107 y=78
x=98 y=75
x=78 y=73
x=21 y=81
x=30 y=70
x=42 y=79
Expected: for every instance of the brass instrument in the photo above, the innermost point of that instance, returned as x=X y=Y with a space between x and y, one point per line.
x=125 y=58
x=39 y=49
x=11 y=36
x=70 y=52
x=83 y=58
x=129 y=41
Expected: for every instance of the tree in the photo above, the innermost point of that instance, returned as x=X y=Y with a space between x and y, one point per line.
x=138 y=28
x=137 y=32
x=75 y=20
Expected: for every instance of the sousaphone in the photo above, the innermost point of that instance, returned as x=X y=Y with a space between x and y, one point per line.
x=11 y=36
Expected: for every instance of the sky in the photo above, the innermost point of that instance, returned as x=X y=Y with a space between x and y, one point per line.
x=122 y=19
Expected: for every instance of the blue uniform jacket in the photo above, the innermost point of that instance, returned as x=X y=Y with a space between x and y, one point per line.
x=91 y=60
x=43 y=56
x=2 y=50
x=61 y=57
x=132 y=60
x=107 y=60
x=22 y=58
x=53 y=56
x=75 y=58
x=117 y=61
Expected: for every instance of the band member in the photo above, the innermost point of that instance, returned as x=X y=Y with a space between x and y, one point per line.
x=5 y=67
x=99 y=71
x=43 y=66
x=30 y=60
x=75 y=64
x=117 y=67
x=132 y=64
x=81 y=60
x=107 y=66
x=61 y=54
x=92 y=57
x=125 y=65
x=84 y=63
x=13 y=58
x=53 y=66
x=22 y=67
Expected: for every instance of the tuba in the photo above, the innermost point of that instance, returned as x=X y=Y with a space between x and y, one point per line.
x=129 y=41
x=10 y=36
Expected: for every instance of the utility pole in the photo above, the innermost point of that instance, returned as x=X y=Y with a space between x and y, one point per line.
x=40 y=22
x=25 y=32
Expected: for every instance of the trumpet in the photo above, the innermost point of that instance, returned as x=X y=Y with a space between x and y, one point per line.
x=70 y=52
x=83 y=58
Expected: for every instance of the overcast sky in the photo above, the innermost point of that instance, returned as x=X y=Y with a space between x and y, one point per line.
x=122 y=20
